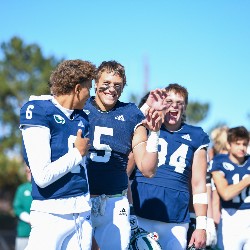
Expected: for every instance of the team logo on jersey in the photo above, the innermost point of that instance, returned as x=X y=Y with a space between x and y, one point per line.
x=59 y=119
x=120 y=118
x=248 y=168
x=228 y=166
x=80 y=124
x=186 y=137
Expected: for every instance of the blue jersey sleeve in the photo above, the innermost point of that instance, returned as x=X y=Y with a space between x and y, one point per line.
x=33 y=113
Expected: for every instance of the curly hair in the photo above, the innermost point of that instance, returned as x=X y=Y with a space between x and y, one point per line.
x=69 y=73
x=111 y=66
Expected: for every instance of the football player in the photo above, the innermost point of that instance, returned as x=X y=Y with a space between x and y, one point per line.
x=161 y=202
x=231 y=175
x=54 y=128
x=115 y=129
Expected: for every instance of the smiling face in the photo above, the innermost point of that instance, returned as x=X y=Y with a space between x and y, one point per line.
x=108 y=90
x=175 y=111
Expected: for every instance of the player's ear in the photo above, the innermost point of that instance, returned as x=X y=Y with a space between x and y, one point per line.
x=78 y=88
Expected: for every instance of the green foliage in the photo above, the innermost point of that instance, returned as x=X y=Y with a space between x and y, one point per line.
x=196 y=112
x=23 y=71
x=11 y=173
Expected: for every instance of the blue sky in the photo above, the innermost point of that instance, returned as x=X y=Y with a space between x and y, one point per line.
x=202 y=45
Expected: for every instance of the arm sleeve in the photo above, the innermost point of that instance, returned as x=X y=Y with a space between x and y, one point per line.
x=43 y=170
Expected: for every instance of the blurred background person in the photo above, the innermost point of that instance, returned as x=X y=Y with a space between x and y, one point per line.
x=231 y=175
x=219 y=146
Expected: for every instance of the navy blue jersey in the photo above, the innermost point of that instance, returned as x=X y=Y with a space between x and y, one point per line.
x=168 y=191
x=111 y=136
x=234 y=174
x=63 y=134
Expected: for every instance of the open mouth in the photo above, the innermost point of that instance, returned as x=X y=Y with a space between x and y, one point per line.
x=173 y=113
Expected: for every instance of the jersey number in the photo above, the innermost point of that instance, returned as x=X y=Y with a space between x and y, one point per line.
x=177 y=159
x=29 y=112
x=99 y=131
x=245 y=194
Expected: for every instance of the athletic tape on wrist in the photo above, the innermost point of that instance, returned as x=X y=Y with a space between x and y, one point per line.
x=201 y=222
x=153 y=141
x=144 y=107
x=200 y=198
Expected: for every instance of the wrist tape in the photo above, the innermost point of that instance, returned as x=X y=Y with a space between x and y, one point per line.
x=200 y=198
x=144 y=107
x=153 y=141
x=201 y=222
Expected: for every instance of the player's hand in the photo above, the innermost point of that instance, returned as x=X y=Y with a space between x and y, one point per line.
x=198 y=239
x=82 y=144
x=211 y=233
x=156 y=99
x=153 y=120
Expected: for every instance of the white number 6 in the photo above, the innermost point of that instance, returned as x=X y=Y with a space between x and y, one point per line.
x=29 y=112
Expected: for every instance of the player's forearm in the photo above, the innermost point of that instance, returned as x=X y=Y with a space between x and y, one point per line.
x=130 y=164
x=229 y=192
x=200 y=202
x=200 y=209
x=43 y=170
x=209 y=201
x=149 y=164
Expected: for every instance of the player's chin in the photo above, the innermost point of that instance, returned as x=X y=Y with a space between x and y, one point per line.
x=173 y=121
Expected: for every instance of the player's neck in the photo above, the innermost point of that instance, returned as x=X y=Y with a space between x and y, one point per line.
x=65 y=101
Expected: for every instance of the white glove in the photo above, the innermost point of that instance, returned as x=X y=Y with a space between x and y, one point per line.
x=211 y=233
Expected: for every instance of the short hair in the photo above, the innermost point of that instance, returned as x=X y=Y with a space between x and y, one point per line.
x=178 y=89
x=68 y=74
x=219 y=139
x=111 y=66
x=237 y=133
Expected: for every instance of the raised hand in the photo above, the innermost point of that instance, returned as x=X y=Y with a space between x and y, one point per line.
x=153 y=120
x=156 y=99
x=82 y=144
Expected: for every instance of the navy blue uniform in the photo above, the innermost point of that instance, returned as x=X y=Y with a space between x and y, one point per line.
x=165 y=197
x=63 y=133
x=111 y=136
x=234 y=174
